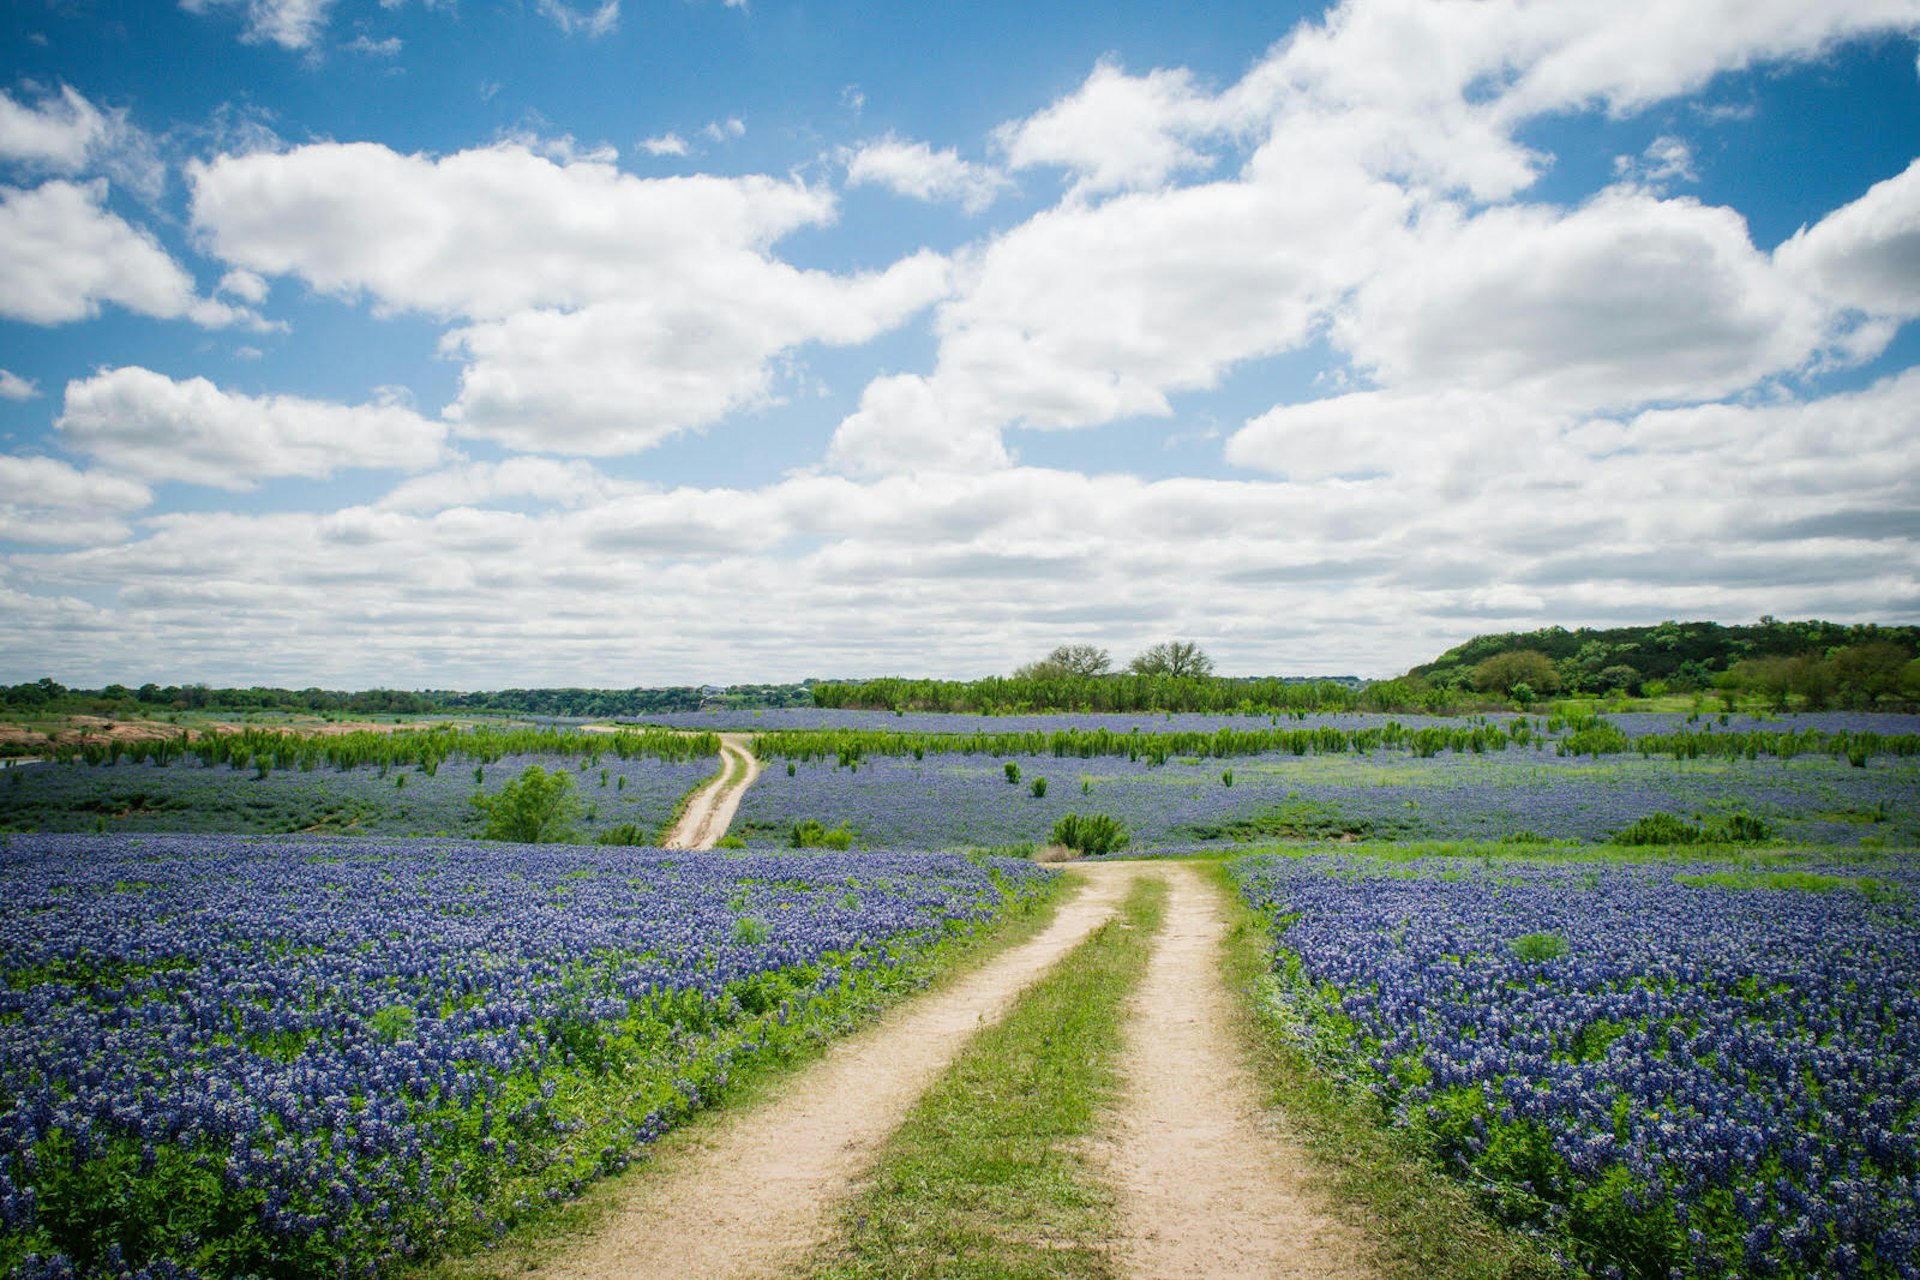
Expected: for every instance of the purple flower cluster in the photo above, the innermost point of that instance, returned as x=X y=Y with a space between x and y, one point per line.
x=1714 y=1068
x=185 y=795
x=948 y=801
x=307 y=1057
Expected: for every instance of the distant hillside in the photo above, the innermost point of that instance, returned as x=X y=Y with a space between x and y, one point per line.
x=1683 y=656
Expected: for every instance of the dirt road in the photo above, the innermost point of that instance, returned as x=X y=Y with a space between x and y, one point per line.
x=1207 y=1186
x=710 y=812
x=759 y=1196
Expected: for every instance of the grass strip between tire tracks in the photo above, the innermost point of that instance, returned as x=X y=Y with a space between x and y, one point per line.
x=1425 y=1224
x=990 y=1174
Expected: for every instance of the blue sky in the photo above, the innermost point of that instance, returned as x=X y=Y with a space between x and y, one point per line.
x=473 y=343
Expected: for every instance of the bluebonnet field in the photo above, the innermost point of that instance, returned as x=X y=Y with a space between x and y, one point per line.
x=946 y=801
x=403 y=800
x=222 y=1056
x=1632 y=723
x=1711 y=1067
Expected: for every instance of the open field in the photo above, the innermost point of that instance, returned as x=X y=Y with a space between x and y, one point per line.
x=1711 y=1067
x=305 y=1058
x=1485 y=942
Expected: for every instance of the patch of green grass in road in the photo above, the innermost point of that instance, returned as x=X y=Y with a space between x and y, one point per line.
x=548 y=1233
x=1425 y=1225
x=989 y=1176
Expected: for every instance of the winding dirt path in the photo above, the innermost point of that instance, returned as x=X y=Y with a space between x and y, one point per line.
x=710 y=812
x=1207 y=1186
x=758 y=1195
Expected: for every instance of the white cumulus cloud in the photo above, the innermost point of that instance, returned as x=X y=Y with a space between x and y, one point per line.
x=1866 y=254
x=63 y=253
x=916 y=170
x=144 y=424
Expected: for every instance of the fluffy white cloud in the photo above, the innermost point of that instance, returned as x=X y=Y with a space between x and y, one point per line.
x=291 y=24
x=141 y=423
x=1626 y=300
x=1867 y=254
x=63 y=253
x=58 y=135
x=916 y=170
x=608 y=311
x=666 y=144
x=15 y=387
x=904 y=425
x=1118 y=132
x=487 y=232
x=616 y=377
x=543 y=480
x=48 y=502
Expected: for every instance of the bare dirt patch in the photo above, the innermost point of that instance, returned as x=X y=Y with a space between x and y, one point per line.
x=710 y=812
x=756 y=1195
x=1208 y=1185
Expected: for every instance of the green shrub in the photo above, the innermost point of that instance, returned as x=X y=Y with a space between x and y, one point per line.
x=1039 y=788
x=1013 y=772
x=627 y=833
x=1538 y=947
x=1092 y=835
x=535 y=808
x=812 y=834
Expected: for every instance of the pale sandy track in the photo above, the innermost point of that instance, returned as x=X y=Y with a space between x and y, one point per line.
x=1207 y=1186
x=710 y=812
x=758 y=1195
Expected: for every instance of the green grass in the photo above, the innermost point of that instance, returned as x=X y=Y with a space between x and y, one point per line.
x=989 y=1176
x=547 y=1233
x=1425 y=1224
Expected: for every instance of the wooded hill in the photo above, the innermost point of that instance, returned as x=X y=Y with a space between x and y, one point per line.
x=1682 y=656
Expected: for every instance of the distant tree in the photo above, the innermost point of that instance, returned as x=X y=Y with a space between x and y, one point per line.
x=1864 y=673
x=535 y=808
x=1172 y=658
x=1081 y=659
x=1500 y=673
x=1068 y=660
x=1618 y=676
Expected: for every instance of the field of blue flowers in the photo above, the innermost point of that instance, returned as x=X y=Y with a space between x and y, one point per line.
x=186 y=795
x=296 y=1057
x=947 y=801
x=1703 y=1069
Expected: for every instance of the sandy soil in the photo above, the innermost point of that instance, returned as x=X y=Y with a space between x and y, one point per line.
x=710 y=812
x=1207 y=1185
x=758 y=1195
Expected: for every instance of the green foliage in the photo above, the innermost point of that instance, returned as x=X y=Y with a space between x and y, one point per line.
x=1092 y=835
x=1177 y=659
x=1068 y=660
x=812 y=834
x=1013 y=772
x=626 y=834
x=1504 y=672
x=750 y=931
x=1537 y=948
x=535 y=808
x=1226 y=778
x=1665 y=829
x=1039 y=788
x=992 y=1173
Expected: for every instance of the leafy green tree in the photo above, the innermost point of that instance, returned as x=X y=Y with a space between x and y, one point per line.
x=1068 y=660
x=1500 y=673
x=1865 y=673
x=1178 y=658
x=1618 y=676
x=535 y=808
